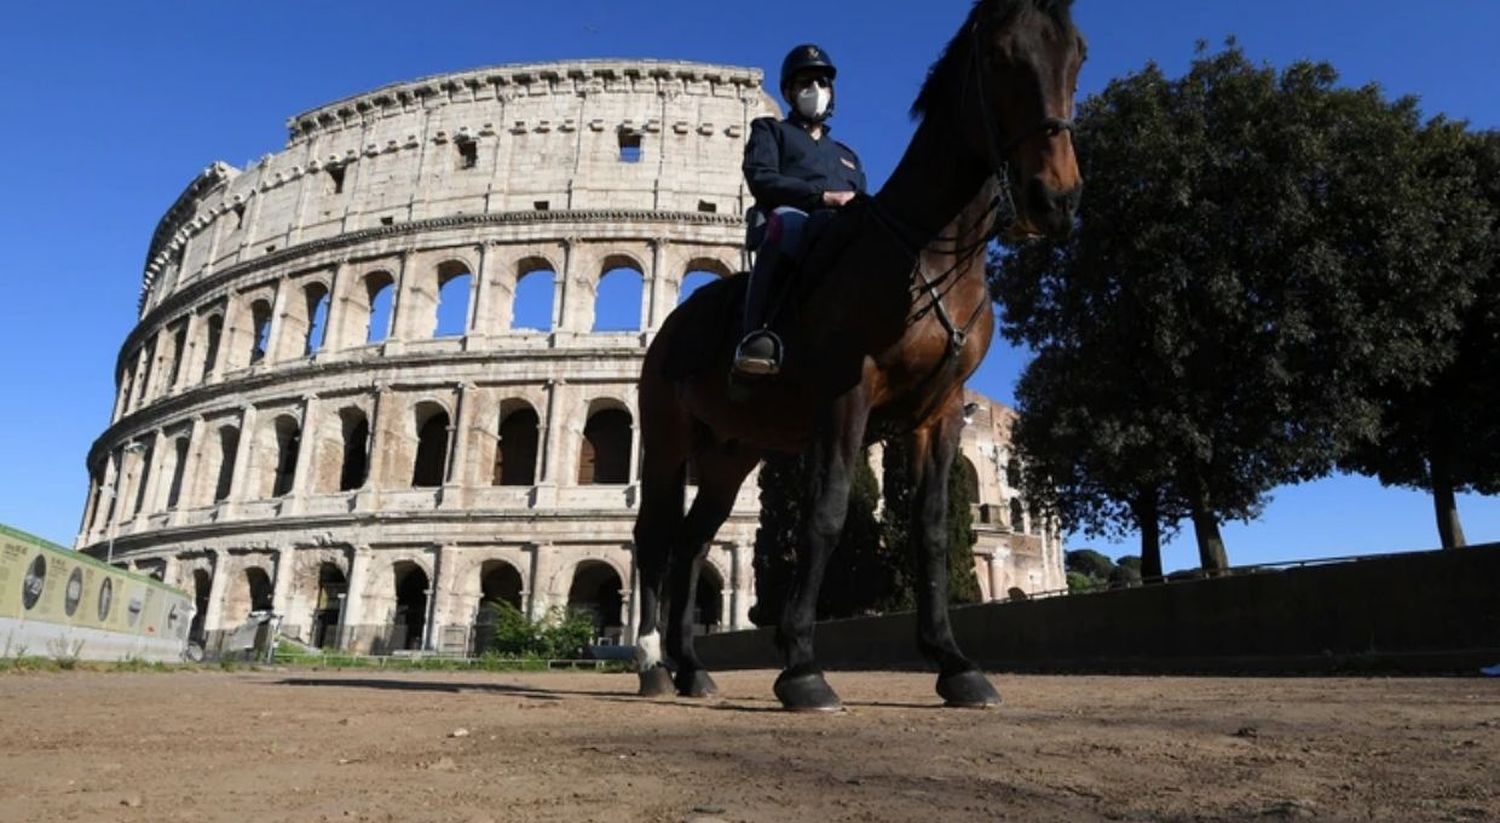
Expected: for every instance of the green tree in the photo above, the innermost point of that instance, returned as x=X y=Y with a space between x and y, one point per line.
x=1229 y=296
x=781 y=490
x=1440 y=434
x=963 y=586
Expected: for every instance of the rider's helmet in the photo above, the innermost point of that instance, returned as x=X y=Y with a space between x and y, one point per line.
x=807 y=57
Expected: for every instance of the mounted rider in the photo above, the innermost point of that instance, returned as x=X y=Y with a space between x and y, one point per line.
x=793 y=168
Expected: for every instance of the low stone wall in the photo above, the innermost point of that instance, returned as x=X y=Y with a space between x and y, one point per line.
x=1426 y=612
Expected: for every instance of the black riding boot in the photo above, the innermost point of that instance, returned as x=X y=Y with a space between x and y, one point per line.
x=759 y=352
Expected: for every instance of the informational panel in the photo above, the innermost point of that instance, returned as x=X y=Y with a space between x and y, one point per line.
x=56 y=602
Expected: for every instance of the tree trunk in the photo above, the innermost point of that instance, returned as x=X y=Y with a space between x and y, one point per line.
x=1211 y=554
x=1149 y=522
x=1450 y=530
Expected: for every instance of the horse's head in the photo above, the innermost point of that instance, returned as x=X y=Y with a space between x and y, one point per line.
x=1013 y=71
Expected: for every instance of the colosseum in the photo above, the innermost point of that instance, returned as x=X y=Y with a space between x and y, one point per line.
x=387 y=374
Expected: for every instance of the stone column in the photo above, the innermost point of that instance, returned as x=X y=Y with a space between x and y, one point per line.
x=380 y=413
x=332 y=339
x=281 y=590
x=553 y=426
x=185 y=356
x=215 y=615
x=276 y=347
x=564 y=315
x=543 y=565
x=400 y=309
x=171 y=572
x=439 y=602
x=153 y=471
x=352 y=614
x=997 y=573
x=240 y=478
x=307 y=448
x=194 y=457
x=458 y=465
x=655 y=294
x=482 y=323
x=743 y=557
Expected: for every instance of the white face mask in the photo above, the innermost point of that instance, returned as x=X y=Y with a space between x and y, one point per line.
x=813 y=101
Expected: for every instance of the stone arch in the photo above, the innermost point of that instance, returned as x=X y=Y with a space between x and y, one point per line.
x=327 y=607
x=1017 y=515
x=518 y=447
x=597 y=590
x=374 y=301
x=213 y=333
x=532 y=303
x=699 y=272
x=354 y=463
x=249 y=591
x=971 y=474
x=279 y=447
x=412 y=589
x=313 y=321
x=179 y=470
x=202 y=585
x=618 y=294
x=452 y=306
x=260 y=329
x=430 y=463
x=608 y=440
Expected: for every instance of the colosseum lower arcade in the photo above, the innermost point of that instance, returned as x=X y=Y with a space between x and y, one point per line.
x=387 y=374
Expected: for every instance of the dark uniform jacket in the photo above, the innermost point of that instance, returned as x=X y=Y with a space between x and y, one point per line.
x=785 y=166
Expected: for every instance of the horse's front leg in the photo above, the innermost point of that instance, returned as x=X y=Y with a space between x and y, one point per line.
x=830 y=464
x=932 y=449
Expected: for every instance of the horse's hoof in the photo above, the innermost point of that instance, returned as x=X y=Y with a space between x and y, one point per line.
x=806 y=692
x=695 y=683
x=656 y=682
x=967 y=690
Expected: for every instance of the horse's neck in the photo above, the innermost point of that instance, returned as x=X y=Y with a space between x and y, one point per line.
x=934 y=182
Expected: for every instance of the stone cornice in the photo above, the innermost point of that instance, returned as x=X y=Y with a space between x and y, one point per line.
x=183 y=209
x=582 y=73
x=178 y=300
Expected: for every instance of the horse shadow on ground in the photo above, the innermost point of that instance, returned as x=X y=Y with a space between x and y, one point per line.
x=718 y=704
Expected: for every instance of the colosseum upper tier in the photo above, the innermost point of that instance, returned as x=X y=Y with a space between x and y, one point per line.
x=337 y=405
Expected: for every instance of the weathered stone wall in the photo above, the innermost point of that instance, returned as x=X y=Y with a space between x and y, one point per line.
x=266 y=420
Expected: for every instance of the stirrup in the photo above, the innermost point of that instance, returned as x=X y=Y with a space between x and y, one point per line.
x=758 y=364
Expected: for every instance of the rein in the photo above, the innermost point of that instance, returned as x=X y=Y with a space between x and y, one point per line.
x=999 y=153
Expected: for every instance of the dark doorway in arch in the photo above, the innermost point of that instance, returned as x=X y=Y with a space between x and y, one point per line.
x=411 y=606
x=179 y=469
x=355 y=467
x=708 y=601
x=261 y=592
x=1017 y=515
x=516 y=453
x=432 y=451
x=202 y=585
x=288 y=444
x=229 y=444
x=596 y=592
x=332 y=587
x=211 y=349
x=605 y=456
x=499 y=582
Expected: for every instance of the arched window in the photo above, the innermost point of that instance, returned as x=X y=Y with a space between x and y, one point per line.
x=380 y=291
x=516 y=453
x=1017 y=515
x=454 y=283
x=316 y=297
x=145 y=479
x=596 y=592
x=500 y=583
x=617 y=307
x=179 y=349
x=211 y=348
x=410 y=619
x=354 y=467
x=605 y=456
x=202 y=585
x=428 y=470
x=259 y=590
x=970 y=479
x=531 y=308
x=288 y=444
x=694 y=281
x=260 y=325
x=229 y=444
x=179 y=468
x=1013 y=473
x=708 y=601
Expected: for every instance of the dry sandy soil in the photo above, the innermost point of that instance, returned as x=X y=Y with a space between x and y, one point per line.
x=309 y=745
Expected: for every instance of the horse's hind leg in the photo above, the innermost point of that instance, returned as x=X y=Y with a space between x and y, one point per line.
x=720 y=475
x=663 y=481
x=932 y=449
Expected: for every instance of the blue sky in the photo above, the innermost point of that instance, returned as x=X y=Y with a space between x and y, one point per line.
x=112 y=108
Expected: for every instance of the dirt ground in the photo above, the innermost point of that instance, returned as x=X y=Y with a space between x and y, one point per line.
x=314 y=746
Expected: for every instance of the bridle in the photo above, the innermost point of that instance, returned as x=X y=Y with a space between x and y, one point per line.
x=999 y=152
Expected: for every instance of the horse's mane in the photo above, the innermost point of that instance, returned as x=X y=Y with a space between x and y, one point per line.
x=940 y=75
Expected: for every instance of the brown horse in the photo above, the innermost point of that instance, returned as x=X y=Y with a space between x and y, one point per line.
x=890 y=317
